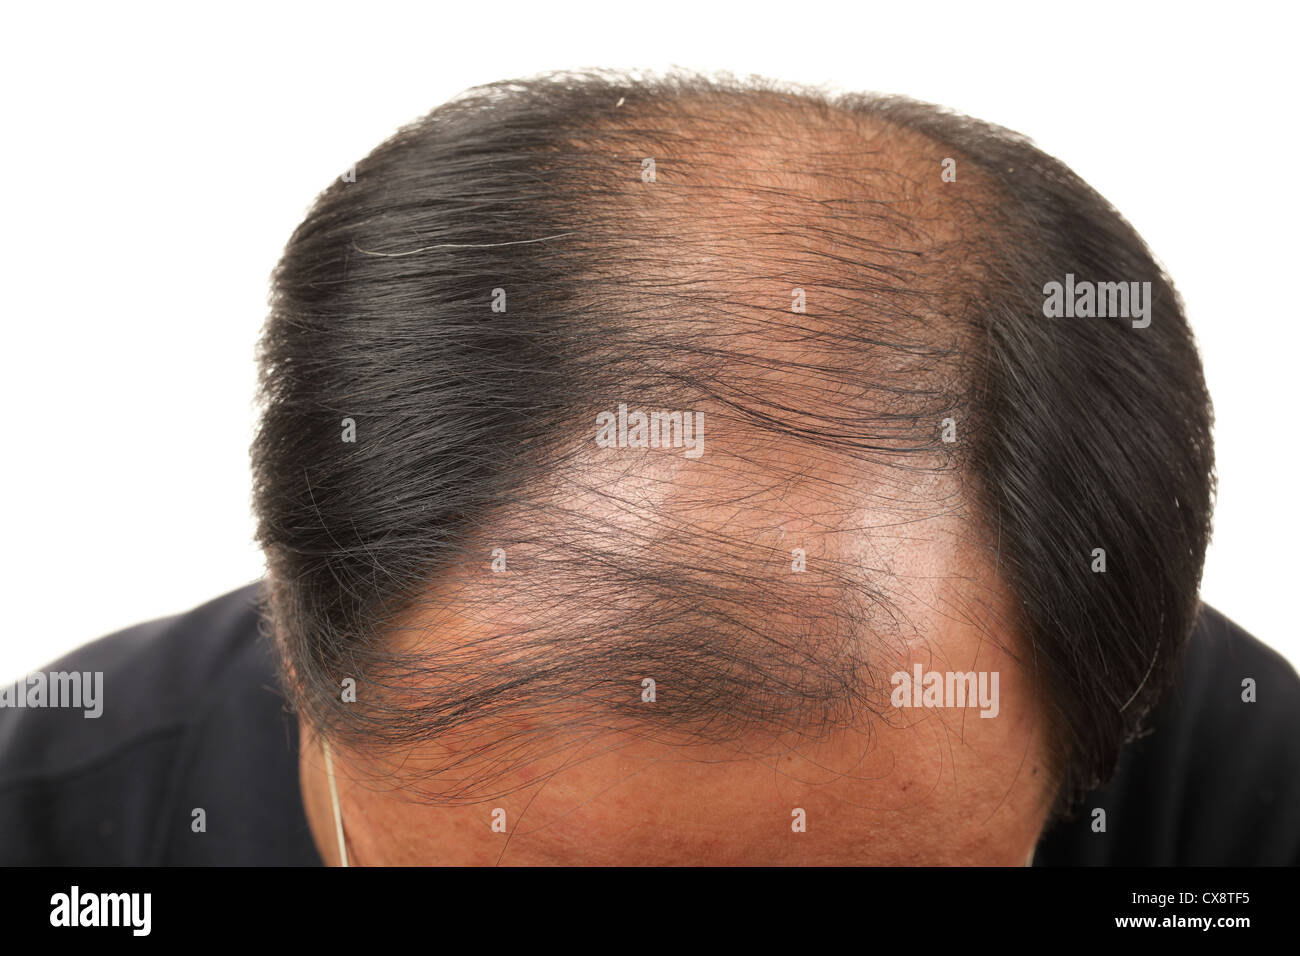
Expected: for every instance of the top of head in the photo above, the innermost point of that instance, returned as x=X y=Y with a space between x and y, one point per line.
x=753 y=391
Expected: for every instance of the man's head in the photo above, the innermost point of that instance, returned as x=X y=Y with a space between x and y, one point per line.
x=624 y=441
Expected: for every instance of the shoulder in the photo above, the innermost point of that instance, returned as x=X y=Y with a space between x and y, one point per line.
x=190 y=718
x=1216 y=778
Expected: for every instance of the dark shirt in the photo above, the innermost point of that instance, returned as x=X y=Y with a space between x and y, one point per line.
x=193 y=718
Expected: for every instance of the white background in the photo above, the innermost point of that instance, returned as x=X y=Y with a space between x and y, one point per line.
x=156 y=159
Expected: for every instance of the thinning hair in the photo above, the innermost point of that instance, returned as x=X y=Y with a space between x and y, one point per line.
x=534 y=253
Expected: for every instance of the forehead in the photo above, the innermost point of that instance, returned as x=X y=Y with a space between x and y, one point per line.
x=934 y=786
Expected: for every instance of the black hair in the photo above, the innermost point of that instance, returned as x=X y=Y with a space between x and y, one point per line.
x=534 y=252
